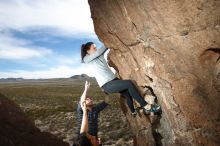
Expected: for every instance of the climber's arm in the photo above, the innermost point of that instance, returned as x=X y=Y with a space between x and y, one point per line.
x=83 y=96
x=84 y=125
x=89 y=58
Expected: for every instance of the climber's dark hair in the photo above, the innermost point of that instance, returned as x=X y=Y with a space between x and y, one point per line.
x=84 y=141
x=84 y=49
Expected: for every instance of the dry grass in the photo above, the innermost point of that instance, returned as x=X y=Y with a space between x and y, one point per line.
x=52 y=104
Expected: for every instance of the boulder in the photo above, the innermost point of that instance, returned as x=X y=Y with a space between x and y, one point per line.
x=18 y=130
x=170 y=48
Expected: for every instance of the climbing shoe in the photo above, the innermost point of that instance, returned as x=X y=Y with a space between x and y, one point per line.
x=153 y=109
x=134 y=114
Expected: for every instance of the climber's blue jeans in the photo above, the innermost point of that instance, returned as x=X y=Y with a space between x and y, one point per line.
x=127 y=89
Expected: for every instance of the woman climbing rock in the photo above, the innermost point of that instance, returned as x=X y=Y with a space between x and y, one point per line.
x=108 y=81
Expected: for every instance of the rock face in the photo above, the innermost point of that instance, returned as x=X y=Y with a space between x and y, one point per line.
x=17 y=130
x=172 y=49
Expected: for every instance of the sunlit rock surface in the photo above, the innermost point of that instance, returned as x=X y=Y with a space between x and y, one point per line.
x=171 y=50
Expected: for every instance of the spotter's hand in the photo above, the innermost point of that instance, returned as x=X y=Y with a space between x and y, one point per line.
x=87 y=85
x=84 y=106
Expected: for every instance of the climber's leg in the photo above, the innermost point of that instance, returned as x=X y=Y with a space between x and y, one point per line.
x=116 y=86
x=129 y=99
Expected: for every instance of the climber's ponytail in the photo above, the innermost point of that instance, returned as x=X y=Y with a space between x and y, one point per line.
x=84 y=49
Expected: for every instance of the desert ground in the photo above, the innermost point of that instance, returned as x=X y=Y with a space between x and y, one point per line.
x=51 y=103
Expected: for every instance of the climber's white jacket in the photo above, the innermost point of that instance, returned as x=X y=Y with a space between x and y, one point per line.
x=99 y=66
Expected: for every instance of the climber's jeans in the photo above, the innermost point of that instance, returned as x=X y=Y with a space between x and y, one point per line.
x=127 y=89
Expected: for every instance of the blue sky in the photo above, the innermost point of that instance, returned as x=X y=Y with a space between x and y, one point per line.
x=42 y=38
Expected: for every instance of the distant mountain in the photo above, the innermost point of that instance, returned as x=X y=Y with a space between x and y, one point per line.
x=11 y=79
x=82 y=76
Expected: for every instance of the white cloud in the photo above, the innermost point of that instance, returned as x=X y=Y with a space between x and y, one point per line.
x=65 y=16
x=21 y=53
x=14 y=48
x=43 y=18
x=63 y=70
x=55 y=72
x=68 y=60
